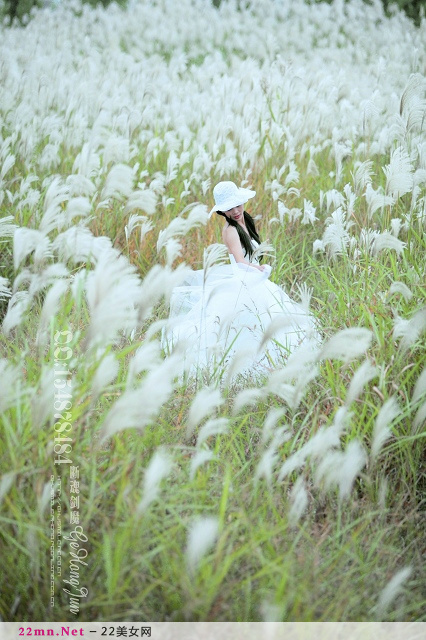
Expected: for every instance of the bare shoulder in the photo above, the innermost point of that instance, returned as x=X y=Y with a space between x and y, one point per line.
x=229 y=232
x=232 y=240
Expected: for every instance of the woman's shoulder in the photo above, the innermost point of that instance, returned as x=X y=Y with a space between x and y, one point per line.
x=229 y=231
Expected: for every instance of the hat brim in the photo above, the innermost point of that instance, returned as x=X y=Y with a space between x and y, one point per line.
x=243 y=196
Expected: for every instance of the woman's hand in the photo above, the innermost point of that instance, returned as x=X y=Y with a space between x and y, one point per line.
x=265 y=269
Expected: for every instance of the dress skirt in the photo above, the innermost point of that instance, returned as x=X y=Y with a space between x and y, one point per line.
x=234 y=313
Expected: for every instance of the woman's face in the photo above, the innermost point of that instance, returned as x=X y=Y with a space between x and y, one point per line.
x=237 y=213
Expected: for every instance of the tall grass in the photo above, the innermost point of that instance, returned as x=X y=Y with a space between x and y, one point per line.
x=298 y=495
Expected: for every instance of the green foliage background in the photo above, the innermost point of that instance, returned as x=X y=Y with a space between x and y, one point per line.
x=17 y=9
x=414 y=9
x=411 y=7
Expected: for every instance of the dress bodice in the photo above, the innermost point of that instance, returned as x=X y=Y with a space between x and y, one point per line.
x=253 y=260
x=255 y=245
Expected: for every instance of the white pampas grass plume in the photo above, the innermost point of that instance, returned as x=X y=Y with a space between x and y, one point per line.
x=382 y=432
x=382 y=493
x=145 y=199
x=400 y=287
x=341 y=418
x=396 y=225
x=25 y=241
x=413 y=105
x=298 y=365
x=9 y=376
x=7 y=228
x=119 y=183
x=136 y=408
x=76 y=207
x=180 y=226
x=112 y=290
x=377 y=199
x=410 y=330
x=53 y=217
x=414 y=89
x=312 y=168
x=52 y=301
x=146 y=227
x=172 y=167
x=18 y=305
x=146 y=358
x=361 y=377
x=270 y=423
x=278 y=323
x=200 y=457
x=350 y=199
x=399 y=173
x=282 y=211
x=340 y=468
x=324 y=439
x=305 y=294
x=87 y=162
x=318 y=245
x=266 y=464
x=42 y=402
x=6 y=483
x=155 y=327
x=51 y=307
x=419 y=418
x=159 y=282
x=204 y=403
x=419 y=388
x=240 y=361
x=173 y=250
x=137 y=221
x=78 y=244
x=334 y=199
x=201 y=538
x=247 y=397
x=43 y=500
x=295 y=461
x=105 y=374
x=205 y=185
x=79 y=185
x=362 y=175
x=309 y=210
x=213 y=427
x=5 y=291
x=116 y=149
x=292 y=394
x=293 y=173
x=214 y=254
x=160 y=466
x=336 y=237
x=264 y=249
x=287 y=392
x=299 y=501
x=391 y=591
x=347 y=344
x=7 y=165
x=387 y=240
x=270 y=612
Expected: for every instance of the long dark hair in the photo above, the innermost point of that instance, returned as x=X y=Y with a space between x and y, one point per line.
x=245 y=238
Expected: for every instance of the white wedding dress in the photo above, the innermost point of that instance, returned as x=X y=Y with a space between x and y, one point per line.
x=221 y=318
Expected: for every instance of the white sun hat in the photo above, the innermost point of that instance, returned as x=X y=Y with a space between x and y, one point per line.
x=227 y=196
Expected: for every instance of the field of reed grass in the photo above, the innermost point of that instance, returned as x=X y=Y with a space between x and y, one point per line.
x=130 y=489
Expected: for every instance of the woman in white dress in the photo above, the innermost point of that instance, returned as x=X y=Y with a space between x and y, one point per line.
x=233 y=313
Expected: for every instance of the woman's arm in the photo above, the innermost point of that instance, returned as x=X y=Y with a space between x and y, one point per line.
x=232 y=241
